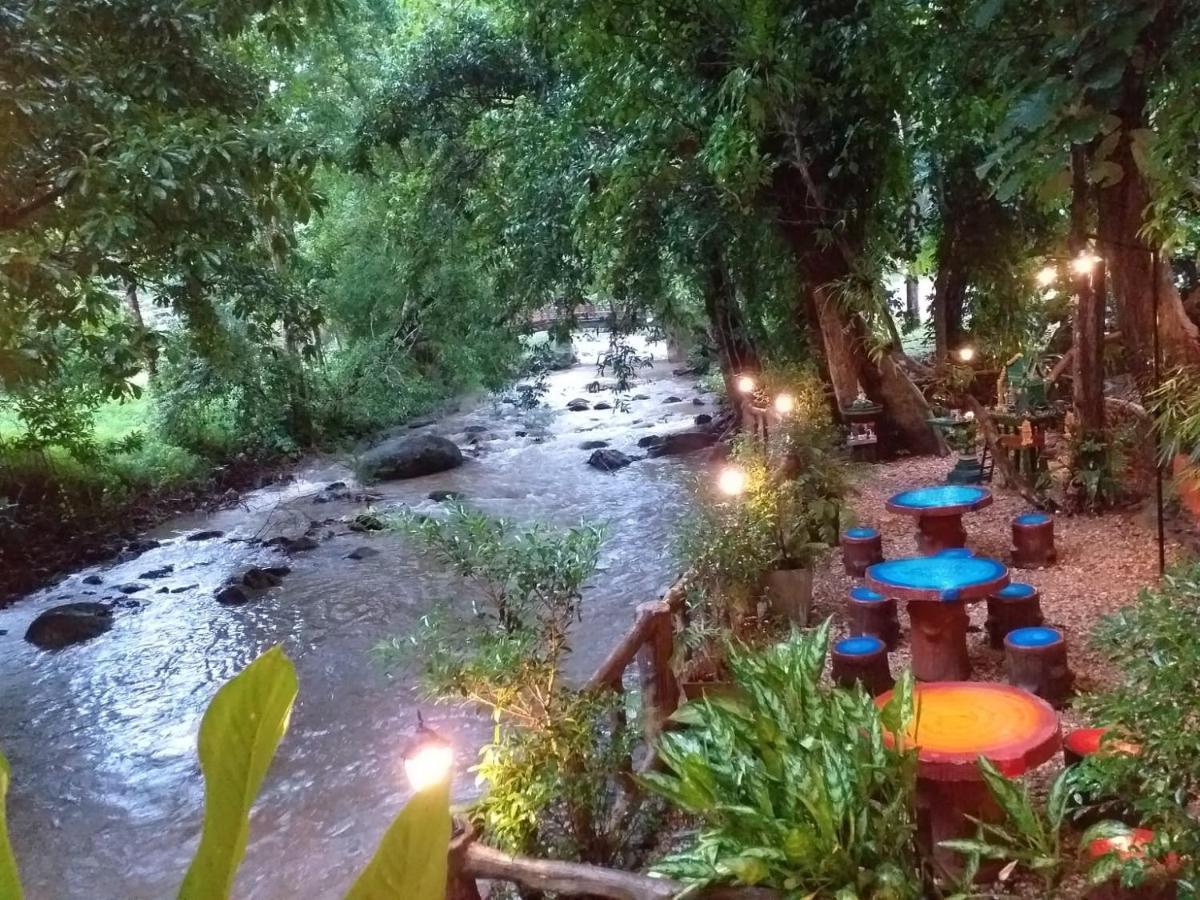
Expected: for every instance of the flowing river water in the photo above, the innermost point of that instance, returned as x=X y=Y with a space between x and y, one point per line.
x=107 y=795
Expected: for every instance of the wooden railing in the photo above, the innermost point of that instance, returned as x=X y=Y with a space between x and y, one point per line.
x=650 y=643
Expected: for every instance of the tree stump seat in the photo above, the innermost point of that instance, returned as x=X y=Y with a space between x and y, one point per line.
x=863 y=660
x=861 y=547
x=1036 y=660
x=1033 y=540
x=871 y=613
x=1158 y=882
x=1014 y=606
x=1081 y=743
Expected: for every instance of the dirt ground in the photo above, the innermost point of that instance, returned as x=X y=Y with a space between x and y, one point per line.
x=1103 y=561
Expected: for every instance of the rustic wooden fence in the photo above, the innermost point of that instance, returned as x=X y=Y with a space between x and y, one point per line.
x=649 y=644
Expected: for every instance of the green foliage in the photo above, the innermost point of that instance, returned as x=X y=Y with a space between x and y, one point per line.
x=10 y=882
x=793 y=782
x=238 y=737
x=1026 y=835
x=1156 y=646
x=1175 y=405
x=411 y=859
x=1098 y=464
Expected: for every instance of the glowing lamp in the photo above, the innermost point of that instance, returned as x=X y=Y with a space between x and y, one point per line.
x=784 y=404
x=1084 y=263
x=965 y=354
x=732 y=481
x=1047 y=276
x=428 y=758
x=745 y=384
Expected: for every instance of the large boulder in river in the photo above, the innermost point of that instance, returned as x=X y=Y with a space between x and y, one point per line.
x=609 y=460
x=410 y=457
x=683 y=442
x=69 y=624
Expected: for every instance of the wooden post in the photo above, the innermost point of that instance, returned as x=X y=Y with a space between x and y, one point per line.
x=660 y=691
x=460 y=885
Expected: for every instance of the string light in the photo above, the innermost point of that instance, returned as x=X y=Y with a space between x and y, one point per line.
x=732 y=481
x=1047 y=276
x=965 y=354
x=745 y=384
x=784 y=404
x=1084 y=263
x=428 y=758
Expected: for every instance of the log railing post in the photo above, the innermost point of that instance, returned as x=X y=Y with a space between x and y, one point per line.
x=660 y=691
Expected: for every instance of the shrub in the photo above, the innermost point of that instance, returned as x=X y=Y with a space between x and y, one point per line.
x=793 y=782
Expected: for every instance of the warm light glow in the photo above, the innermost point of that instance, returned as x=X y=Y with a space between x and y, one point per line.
x=969 y=416
x=428 y=764
x=784 y=404
x=965 y=354
x=745 y=384
x=1047 y=276
x=732 y=481
x=1084 y=263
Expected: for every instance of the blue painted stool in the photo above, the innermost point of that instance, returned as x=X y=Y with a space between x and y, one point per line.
x=861 y=547
x=863 y=660
x=869 y=612
x=1033 y=540
x=1014 y=606
x=1036 y=660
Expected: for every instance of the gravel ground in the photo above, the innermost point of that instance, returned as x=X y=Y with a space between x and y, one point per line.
x=1103 y=561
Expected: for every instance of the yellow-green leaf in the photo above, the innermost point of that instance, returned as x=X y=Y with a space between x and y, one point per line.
x=10 y=883
x=411 y=859
x=238 y=737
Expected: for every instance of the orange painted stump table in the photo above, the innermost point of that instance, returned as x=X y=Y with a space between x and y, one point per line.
x=955 y=723
x=939 y=510
x=937 y=590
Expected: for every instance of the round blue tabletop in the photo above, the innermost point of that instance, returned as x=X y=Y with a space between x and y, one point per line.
x=947 y=577
x=940 y=499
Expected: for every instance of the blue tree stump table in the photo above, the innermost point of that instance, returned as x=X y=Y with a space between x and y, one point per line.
x=939 y=510
x=937 y=590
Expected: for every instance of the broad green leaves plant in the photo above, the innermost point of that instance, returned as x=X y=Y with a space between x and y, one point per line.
x=238 y=737
x=411 y=859
x=10 y=882
x=793 y=782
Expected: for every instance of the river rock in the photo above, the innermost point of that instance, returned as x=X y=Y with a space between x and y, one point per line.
x=232 y=595
x=183 y=588
x=367 y=522
x=593 y=445
x=696 y=401
x=608 y=460
x=71 y=623
x=141 y=545
x=603 y=404
x=703 y=419
x=410 y=457
x=361 y=553
x=578 y=405
x=132 y=588
x=650 y=440
x=211 y=534
x=160 y=572
x=673 y=399
x=260 y=579
x=445 y=496
x=641 y=396
x=683 y=442
x=93 y=580
x=475 y=429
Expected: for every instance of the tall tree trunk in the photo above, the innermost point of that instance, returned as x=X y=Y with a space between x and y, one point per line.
x=912 y=301
x=1122 y=210
x=134 y=305
x=1088 y=365
x=949 y=293
x=735 y=351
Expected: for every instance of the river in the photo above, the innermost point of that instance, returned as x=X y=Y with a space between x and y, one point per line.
x=107 y=795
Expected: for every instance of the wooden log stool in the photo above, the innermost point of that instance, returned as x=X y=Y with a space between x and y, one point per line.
x=1084 y=742
x=1033 y=540
x=862 y=659
x=1036 y=659
x=1014 y=606
x=1159 y=880
x=861 y=547
x=871 y=613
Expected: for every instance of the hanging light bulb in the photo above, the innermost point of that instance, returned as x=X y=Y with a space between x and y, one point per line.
x=428 y=757
x=965 y=354
x=785 y=404
x=746 y=384
x=732 y=481
x=1084 y=263
x=1047 y=276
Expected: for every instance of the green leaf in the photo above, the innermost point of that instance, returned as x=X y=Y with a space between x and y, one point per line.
x=10 y=883
x=238 y=738
x=411 y=859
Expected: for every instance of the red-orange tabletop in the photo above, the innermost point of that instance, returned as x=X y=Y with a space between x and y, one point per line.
x=956 y=722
